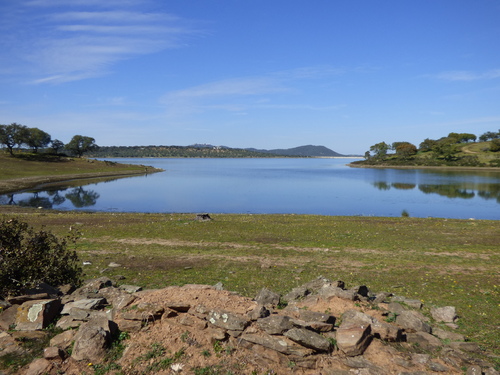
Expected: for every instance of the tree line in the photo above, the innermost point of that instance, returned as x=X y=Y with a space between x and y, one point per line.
x=36 y=139
x=445 y=148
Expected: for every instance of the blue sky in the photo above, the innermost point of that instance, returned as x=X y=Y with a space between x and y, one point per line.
x=251 y=73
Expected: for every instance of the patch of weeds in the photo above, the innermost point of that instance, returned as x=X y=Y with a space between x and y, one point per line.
x=185 y=336
x=218 y=348
x=291 y=364
x=208 y=370
x=157 y=350
x=115 y=352
x=333 y=342
x=391 y=318
x=282 y=304
x=105 y=368
x=164 y=363
x=206 y=353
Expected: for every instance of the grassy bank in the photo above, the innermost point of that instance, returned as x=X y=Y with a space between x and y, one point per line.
x=442 y=262
x=29 y=170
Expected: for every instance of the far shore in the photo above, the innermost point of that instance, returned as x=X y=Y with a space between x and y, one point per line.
x=440 y=167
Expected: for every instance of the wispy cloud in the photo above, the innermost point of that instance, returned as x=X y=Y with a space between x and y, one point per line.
x=464 y=75
x=232 y=94
x=79 y=39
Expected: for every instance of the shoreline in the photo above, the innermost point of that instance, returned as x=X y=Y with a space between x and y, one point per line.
x=442 y=167
x=23 y=183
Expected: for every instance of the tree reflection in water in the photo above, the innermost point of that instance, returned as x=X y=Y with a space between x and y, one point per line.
x=78 y=196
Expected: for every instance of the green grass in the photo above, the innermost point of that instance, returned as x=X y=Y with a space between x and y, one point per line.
x=442 y=262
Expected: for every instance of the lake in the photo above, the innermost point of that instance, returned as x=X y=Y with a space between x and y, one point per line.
x=280 y=185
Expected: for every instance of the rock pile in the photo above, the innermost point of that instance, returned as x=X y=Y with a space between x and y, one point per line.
x=323 y=328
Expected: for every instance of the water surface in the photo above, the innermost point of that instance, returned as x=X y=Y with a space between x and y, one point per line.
x=291 y=186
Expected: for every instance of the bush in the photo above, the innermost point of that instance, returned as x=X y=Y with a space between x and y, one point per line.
x=28 y=258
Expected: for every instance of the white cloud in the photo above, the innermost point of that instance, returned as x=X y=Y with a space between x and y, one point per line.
x=62 y=44
x=463 y=75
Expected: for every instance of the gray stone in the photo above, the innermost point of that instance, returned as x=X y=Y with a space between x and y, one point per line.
x=259 y=312
x=63 y=340
x=309 y=339
x=228 y=320
x=297 y=294
x=445 y=314
x=33 y=315
x=277 y=343
x=145 y=312
x=396 y=308
x=275 y=324
x=412 y=321
x=8 y=345
x=466 y=346
x=424 y=340
x=19 y=300
x=318 y=283
x=8 y=317
x=413 y=303
x=92 y=339
x=53 y=353
x=85 y=304
x=130 y=288
x=381 y=297
x=437 y=367
x=38 y=367
x=313 y=316
x=381 y=330
x=363 y=363
x=334 y=291
x=447 y=335
x=267 y=297
x=353 y=339
x=474 y=370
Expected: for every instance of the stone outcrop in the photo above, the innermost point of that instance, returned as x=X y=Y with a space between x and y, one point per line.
x=303 y=338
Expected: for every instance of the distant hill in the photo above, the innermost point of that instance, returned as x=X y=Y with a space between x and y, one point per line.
x=302 y=151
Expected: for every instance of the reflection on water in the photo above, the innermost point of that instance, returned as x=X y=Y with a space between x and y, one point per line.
x=78 y=196
x=282 y=186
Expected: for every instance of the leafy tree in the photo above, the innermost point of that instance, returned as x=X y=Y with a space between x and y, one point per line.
x=28 y=258
x=380 y=149
x=37 y=138
x=12 y=135
x=495 y=145
x=80 y=144
x=489 y=136
x=462 y=137
x=57 y=145
x=446 y=148
x=427 y=145
x=406 y=149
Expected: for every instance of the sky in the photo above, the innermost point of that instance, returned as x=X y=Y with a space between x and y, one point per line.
x=251 y=73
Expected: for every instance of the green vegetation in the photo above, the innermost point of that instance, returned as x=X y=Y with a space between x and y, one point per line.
x=455 y=150
x=440 y=261
x=177 y=152
x=25 y=170
x=28 y=258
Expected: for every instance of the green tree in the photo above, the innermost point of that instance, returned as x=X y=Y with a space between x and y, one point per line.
x=57 y=145
x=80 y=144
x=489 y=136
x=406 y=149
x=28 y=258
x=12 y=135
x=495 y=145
x=427 y=145
x=446 y=148
x=37 y=138
x=380 y=149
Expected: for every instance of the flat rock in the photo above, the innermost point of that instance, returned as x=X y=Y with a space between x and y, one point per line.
x=412 y=321
x=266 y=297
x=275 y=324
x=446 y=314
x=277 y=343
x=228 y=320
x=83 y=304
x=424 y=340
x=63 y=340
x=309 y=339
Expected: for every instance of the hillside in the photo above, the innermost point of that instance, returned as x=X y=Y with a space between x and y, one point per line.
x=209 y=151
x=302 y=151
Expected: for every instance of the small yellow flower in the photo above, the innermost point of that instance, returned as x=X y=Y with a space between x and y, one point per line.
x=89 y=364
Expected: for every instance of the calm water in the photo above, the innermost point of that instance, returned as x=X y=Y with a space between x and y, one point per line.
x=298 y=186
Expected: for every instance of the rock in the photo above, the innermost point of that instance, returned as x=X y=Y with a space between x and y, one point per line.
x=381 y=330
x=362 y=363
x=353 y=339
x=178 y=306
x=447 y=335
x=266 y=297
x=275 y=324
x=437 y=367
x=8 y=345
x=309 y=339
x=130 y=288
x=258 y=312
x=114 y=265
x=412 y=321
x=361 y=290
x=313 y=316
x=227 y=320
x=474 y=370
x=396 y=308
x=83 y=304
x=424 y=340
x=8 y=317
x=53 y=353
x=19 y=300
x=277 y=343
x=297 y=294
x=63 y=340
x=144 y=312
x=381 y=297
x=334 y=291
x=466 y=346
x=91 y=340
x=39 y=366
x=445 y=314
x=38 y=314
x=413 y=303
x=130 y=326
